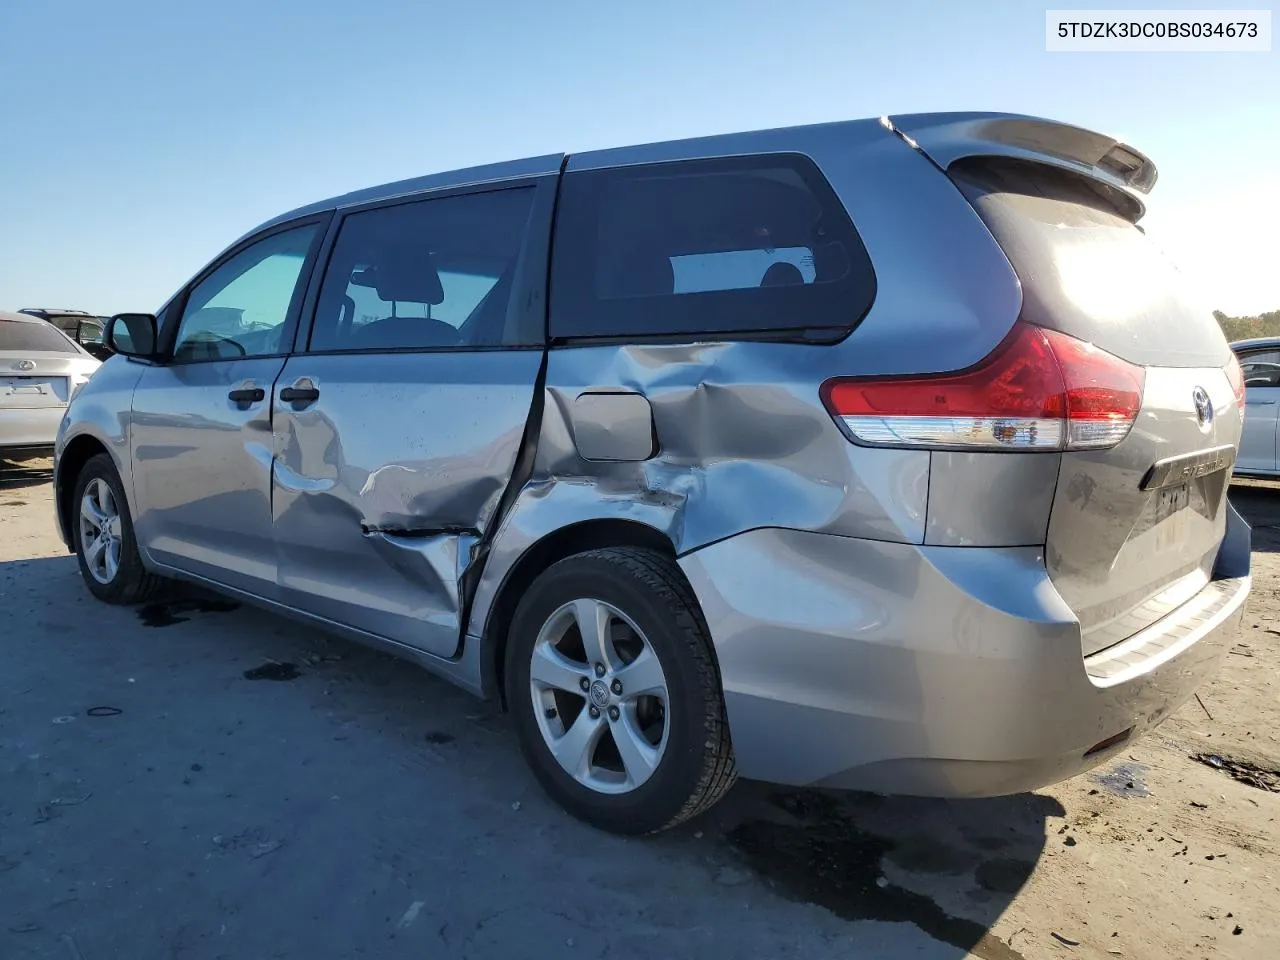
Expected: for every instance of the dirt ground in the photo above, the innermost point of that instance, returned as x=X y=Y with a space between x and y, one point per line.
x=156 y=802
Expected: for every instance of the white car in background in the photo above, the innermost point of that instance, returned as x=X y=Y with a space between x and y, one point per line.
x=41 y=368
x=1260 y=363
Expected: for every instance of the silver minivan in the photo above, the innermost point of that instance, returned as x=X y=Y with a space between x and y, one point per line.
x=883 y=455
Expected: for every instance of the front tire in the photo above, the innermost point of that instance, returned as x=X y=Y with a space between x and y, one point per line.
x=613 y=685
x=103 y=530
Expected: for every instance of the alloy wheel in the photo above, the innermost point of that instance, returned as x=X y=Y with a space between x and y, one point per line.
x=600 y=696
x=100 y=531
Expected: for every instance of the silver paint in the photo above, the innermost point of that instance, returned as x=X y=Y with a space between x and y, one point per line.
x=948 y=137
x=1118 y=565
x=612 y=426
x=870 y=630
x=29 y=417
x=383 y=484
x=990 y=499
x=931 y=670
x=96 y=421
x=202 y=471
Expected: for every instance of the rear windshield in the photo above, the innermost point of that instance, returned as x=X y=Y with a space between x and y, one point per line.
x=729 y=247
x=1086 y=269
x=40 y=336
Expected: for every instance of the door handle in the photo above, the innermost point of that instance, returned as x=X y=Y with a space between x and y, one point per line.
x=1260 y=403
x=302 y=395
x=246 y=395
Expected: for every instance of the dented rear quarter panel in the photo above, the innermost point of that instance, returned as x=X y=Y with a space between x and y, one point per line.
x=740 y=438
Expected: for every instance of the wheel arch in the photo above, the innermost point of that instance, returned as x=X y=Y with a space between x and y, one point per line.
x=564 y=542
x=78 y=451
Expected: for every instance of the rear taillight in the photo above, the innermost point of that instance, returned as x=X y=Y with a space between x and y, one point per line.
x=1236 y=376
x=1038 y=390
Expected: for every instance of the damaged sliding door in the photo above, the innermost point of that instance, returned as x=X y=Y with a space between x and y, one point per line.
x=399 y=425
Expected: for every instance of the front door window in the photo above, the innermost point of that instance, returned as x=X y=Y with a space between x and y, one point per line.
x=240 y=309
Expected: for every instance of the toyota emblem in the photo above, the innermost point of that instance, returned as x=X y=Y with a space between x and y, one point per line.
x=1204 y=408
x=598 y=694
x=24 y=365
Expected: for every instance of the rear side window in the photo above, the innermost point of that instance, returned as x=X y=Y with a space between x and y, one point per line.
x=33 y=337
x=430 y=274
x=730 y=247
x=1261 y=368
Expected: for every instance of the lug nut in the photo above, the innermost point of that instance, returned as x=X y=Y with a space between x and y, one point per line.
x=613 y=713
x=551 y=713
x=616 y=687
x=599 y=669
x=585 y=684
x=595 y=712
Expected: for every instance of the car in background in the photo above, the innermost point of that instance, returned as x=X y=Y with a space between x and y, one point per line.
x=41 y=369
x=80 y=325
x=1260 y=363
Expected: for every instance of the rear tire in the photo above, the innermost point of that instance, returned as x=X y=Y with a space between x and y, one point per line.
x=102 y=530
x=656 y=750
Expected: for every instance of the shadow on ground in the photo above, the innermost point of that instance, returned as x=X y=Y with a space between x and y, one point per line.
x=1259 y=503
x=17 y=476
x=235 y=752
x=949 y=867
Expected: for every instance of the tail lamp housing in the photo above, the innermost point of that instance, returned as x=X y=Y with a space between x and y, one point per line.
x=1039 y=390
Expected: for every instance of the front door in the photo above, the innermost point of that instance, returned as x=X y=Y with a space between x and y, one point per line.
x=200 y=436
x=398 y=428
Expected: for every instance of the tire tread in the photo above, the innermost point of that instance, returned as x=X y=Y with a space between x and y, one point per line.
x=138 y=584
x=660 y=574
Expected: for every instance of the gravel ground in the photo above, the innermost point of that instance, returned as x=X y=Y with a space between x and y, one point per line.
x=154 y=802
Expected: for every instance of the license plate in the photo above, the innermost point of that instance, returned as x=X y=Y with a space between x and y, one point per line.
x=17 y=386
x=21 y=392
x=1171 y=500
x=1172 y=518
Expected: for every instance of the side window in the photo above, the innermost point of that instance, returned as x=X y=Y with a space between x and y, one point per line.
x=1261 y=368
x=240 y=309
x=429 y=274
x=734 y=246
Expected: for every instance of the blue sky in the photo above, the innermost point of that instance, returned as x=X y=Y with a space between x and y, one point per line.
x=141 y=136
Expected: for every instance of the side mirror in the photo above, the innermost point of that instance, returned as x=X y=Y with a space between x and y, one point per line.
x=132 y=334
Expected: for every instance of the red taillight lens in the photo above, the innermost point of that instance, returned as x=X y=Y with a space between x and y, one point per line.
x=1038 y=390
x=1236 y=376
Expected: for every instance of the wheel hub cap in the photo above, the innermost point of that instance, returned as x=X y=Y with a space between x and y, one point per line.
x=599 y=696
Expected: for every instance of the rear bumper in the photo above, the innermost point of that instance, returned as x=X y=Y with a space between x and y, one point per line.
x=935 y=671
x=31 y=429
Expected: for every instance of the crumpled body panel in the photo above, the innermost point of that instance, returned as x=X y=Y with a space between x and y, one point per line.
x=741 y=438
x=742 y=442
x=381 y=491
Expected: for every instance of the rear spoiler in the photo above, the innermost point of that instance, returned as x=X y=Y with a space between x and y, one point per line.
x=947 y=137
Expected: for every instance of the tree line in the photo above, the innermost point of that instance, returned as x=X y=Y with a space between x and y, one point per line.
x=1241 y=328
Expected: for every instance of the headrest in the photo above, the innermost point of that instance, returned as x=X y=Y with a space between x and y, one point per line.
x=217 y=319
x=782 y=274
x=646 y=276
x=403 y=274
